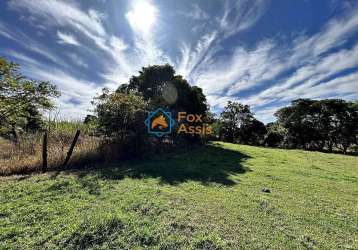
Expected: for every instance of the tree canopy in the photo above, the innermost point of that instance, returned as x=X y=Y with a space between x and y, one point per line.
x=121 y=113
x=238 y=124
x=319 y=124
x=160 y=86
x=308 y=124
x=22 y=99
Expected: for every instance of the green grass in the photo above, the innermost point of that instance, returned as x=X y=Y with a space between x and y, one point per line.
x=205 y=198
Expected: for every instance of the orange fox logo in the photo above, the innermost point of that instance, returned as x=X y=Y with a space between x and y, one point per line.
x=159 y=121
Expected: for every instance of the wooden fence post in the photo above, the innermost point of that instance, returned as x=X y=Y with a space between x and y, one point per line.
x=69 y=153
x=44 y=152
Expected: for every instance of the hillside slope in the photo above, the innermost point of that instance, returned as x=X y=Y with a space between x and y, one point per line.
x=206 y=198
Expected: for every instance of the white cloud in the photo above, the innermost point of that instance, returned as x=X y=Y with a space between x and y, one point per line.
x=224 y=78
x=77 y=60
x=220 y=101
x=197 y=61
x=306 y=63
x=20 y=57
x=65 y=14
x=67 y=39
x=336 y=88
x=142 y=18
x=62 y=13
x=71 y=88
x=29 y=43
x=196 y=13
x=300 y=82
x=266 y=114
x=333 y=35
x=129 y=59
x=191 y=58
x=242 y=70
x=240 y=15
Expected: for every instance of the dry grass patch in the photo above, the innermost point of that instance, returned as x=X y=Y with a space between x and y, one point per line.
x=26 y=155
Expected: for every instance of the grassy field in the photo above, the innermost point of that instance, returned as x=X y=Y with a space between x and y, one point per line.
x=206 y=198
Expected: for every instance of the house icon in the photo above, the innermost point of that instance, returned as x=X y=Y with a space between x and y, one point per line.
x=159 y=122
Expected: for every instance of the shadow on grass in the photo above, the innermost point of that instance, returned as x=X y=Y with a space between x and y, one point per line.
x=206 y=164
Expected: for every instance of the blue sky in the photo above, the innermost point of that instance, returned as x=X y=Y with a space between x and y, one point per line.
x=262 y=53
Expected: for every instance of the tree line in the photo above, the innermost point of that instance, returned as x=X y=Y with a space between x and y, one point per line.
x=323 y=125
x=119 y=114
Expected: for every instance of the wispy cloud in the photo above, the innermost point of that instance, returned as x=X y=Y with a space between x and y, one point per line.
x=300 y=82
x=197 y=61
x=62 y=13
x=192 y=58
x=240 y=15
x=287 y=72
x=77 y=60
x=67 y=39
x=242 y=70
x=265 y=74
x=72 y=88
x=196 y=13
x=68 y=14
x=29 y=43
x=145 y=51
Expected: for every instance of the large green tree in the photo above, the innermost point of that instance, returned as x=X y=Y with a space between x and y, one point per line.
x=161 y=87
x=120 y=114
x=301 y=124
x=22 y=99
x=252 y=132
x=320 y=124
x=234 y=116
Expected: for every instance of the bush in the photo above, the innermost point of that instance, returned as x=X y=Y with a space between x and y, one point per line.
x=273 y=139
